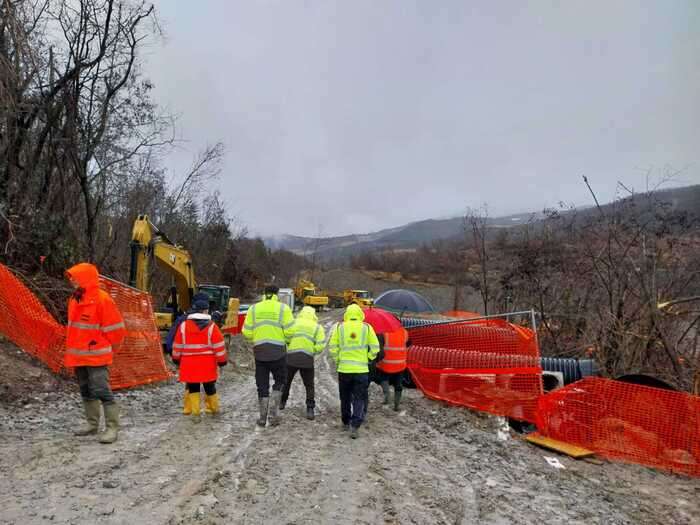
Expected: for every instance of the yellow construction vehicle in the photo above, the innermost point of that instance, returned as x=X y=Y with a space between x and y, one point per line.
x=305 y=292
x=147 y=242
x=359 y=297
x=345 y=298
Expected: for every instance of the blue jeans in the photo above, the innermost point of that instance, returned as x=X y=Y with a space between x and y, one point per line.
x=353 y=389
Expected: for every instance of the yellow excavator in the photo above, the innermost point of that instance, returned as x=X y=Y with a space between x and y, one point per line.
x=148 y=242
x=305 y=292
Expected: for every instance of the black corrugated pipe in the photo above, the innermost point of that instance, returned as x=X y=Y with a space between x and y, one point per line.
x=571 y=369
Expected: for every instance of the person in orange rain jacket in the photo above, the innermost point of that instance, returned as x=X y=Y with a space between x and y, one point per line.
x=198 y=348
x=95 y=325
x=391 y=363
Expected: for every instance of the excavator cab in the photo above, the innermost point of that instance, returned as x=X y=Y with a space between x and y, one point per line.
x=222 y=306
x=218 y=296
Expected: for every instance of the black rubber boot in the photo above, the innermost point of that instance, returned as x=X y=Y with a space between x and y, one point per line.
x=397 y=399
x=385 y=389
x=263 y=404
x=274 y=407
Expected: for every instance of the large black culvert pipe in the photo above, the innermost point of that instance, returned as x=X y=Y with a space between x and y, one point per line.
x=645 y=380
x=571 y=369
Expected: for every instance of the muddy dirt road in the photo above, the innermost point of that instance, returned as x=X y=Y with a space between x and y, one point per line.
x=428 y=464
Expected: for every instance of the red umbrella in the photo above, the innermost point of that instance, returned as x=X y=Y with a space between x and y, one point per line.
x=381 y=320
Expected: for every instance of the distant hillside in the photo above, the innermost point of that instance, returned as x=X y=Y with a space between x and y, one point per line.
x=412 y=235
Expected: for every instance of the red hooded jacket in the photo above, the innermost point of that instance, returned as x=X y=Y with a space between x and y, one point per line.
x=199 y=347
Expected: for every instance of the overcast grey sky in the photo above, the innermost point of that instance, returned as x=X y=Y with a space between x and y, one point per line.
x=359 y=115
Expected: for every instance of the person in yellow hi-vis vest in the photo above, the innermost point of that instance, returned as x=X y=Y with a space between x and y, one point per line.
x=352 y=345
x=266 y=326
x=307 y=340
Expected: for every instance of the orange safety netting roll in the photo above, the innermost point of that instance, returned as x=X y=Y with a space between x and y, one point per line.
x=138 y=359
x=632 y=423
x=487 y=365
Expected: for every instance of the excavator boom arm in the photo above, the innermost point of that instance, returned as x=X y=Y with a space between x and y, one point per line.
x=147 y=241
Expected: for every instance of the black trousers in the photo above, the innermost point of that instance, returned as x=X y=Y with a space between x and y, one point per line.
x=395 y=380
x=307 y=376
x=209 y=388
x=94 y=383
x=353 y=389
x=263 y=369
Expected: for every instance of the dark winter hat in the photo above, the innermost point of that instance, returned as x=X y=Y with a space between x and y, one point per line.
x=200 y=301
x=270 y=290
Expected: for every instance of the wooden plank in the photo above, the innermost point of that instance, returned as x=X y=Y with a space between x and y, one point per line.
x=559 y=446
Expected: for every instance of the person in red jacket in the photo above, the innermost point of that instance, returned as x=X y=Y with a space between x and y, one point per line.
x=198 y=348
x=95 y=325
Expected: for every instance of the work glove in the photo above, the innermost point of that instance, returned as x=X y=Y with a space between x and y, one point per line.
x=177 y=362
x=221 y=365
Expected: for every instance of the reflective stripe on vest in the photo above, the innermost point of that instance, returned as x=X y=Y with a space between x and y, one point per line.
x=395 y=357
x=274 y=324
x=83 y=326
x=300 y=351
x=113 y=327
x=90 y=326
x=209 y=346
x=97 y=351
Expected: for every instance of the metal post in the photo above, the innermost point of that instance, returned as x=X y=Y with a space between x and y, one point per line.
x=533 y=319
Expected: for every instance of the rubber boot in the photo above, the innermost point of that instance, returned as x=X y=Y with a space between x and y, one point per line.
x=397 y=399
x=354 y=432
x=274 y=407
x=263 y=404
x=92 y=418
x=186 y=404
x=211 y=404
x=385 y=389
x=194 y=404
x=310 y=412
x=111 y=423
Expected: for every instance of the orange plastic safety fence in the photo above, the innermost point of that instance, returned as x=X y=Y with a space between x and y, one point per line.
x=486 y=365
x=138 y=359
x=632 y=423
x=25 y=322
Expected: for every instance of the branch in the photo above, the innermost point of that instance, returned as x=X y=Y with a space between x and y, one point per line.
x=9 y=229
x=212 y=154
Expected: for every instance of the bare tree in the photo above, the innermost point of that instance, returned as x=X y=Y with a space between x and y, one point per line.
x=475 y=226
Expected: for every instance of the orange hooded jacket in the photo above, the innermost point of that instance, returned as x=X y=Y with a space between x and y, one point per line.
x=94 y=322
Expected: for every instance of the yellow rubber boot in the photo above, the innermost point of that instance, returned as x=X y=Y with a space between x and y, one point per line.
x=211 y=404
x=187 y=405
x=194 y=404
